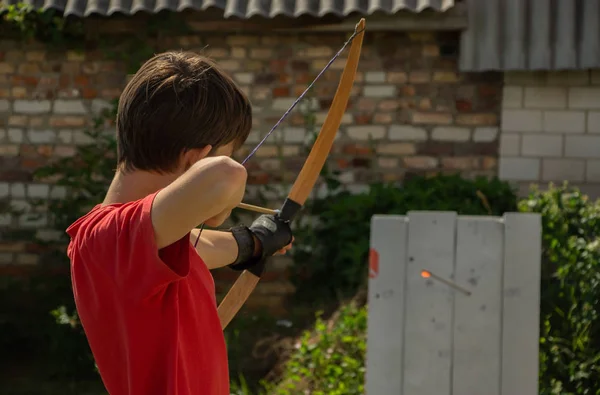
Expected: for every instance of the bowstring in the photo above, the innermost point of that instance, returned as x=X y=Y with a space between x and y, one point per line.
x=289 y=110
x=356 y=32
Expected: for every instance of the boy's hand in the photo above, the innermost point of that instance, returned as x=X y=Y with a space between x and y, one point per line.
x=272 y=236
x=266 y=236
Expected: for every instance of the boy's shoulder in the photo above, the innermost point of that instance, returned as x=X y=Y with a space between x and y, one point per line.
x=109 y=220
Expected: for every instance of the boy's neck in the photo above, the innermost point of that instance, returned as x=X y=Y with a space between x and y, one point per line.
x=135 y=185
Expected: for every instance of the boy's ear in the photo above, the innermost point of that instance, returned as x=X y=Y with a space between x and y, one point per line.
x=194 y=155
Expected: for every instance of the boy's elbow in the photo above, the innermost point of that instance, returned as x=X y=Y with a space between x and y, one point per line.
x=232 y=171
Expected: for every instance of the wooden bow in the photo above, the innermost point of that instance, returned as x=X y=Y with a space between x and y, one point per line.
x=247 y=281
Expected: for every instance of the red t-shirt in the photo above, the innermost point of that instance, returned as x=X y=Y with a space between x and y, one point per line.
x=150 y=316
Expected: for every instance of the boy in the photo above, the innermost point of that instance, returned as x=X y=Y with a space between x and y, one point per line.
x=143 y=292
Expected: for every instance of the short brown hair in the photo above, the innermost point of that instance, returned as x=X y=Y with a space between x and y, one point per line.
x=178 y=101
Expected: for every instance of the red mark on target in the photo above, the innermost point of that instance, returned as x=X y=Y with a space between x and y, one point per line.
x=373 y=263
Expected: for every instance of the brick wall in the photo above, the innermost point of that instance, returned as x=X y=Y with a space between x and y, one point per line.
x=551 y=129
x=411 y=111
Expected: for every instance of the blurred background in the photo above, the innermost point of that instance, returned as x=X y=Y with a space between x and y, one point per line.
x=474 y=106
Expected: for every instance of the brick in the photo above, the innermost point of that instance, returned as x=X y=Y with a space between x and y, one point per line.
x=592 y=171
x=290 y=150
x=519 y=169
x=521 y=121
x=6 y=68
x=380 y=91
x=318 y=52
x=320 y=118
x=294 y=135
x=27 y=259
x=99 y=105
x=445 y=76
x=582 y=146
x=282 y=104
x=375 y=76
x=4 y=105
x=421 y=36
x=36 y=121
x=58 y=192
x=476 y=119
x=67 y=121
x=69 y=107
x=5 y=220
x=267 y=151
x=238 y=53
x=419 y=77
x=567 y=78
x=563 y=169
x=425 y=104
x=38 y=191
x=29 y=69
x=460 y=163
x=407 y=133
x=432 y=118
x=17 y=190
x=388 y=163
x=31 y=106
x=541 y=145
x=489 y=162
x=431 y=50
x=80 y=138
x=512 y=97
x=370 y=132
x=383 y=118
x=397 y=77
x=485 y=134
x=15 y=135
x=564 y=121
x=18 y=92
x=41 y=136
x=4 y=189
x=420 y=162
x=451 y=133
x=75 y=56
x=230 y=65
x=593 y=122
x=396 y=149
x=244 y=78
x=545 y=97
x=261 y=53
x=9 y=150
x=584 y=98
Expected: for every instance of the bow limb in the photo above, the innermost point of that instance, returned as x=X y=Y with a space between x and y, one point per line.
x=247 y=281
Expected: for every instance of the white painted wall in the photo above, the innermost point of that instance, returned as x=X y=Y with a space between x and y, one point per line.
x=550 y=129
x=425 y=338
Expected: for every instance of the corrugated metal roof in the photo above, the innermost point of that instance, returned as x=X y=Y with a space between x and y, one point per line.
x=240 y=8
x=531 y=35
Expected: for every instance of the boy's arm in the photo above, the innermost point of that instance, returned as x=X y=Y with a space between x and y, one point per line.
x=218 y=248
x=209 y=188
x=242 y=247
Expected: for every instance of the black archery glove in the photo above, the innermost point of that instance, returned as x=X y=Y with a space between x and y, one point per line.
x=273 y=234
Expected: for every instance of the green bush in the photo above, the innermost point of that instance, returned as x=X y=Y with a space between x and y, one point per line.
x=338 y=243
x=570 y=291
x=330 y=358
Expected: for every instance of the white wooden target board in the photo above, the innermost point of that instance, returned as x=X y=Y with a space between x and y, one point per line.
x=426 y=337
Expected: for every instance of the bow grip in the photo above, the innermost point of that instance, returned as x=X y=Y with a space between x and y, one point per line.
x=288 y=210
